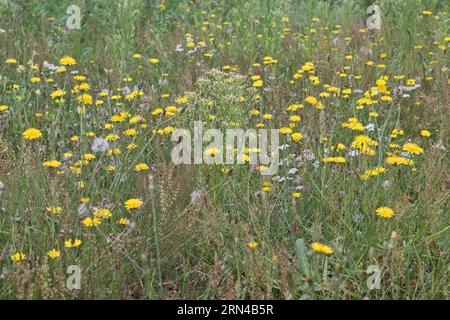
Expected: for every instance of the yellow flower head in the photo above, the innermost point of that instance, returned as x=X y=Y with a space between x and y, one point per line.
x=133 y=204
x=32 y=134
x=412 y=148
x=385 y=212
x=67 y=61
x=141 y=167
x=18 y=257
x=72 y=244
x=321 y=248
x=53 y=254
x=252 y=244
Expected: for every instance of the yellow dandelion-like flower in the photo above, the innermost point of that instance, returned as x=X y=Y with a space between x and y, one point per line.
x=54 y=210
x=53 y=254
x=67 y=61
x=91 y=222
x=321 y=248
x=18 y=257
x=296 y=136
x=385 y=212
x=133 y=204
x=52 y=164
x=11 y=61
x=32 y=134
x=252 y=244
x=425 y=133
x=141 y=167
x=72 y=244
x=412 y=148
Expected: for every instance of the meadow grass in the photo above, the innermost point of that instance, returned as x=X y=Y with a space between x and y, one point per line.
x=371 y=108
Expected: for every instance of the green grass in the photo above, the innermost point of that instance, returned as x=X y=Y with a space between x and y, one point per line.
x=173 y=247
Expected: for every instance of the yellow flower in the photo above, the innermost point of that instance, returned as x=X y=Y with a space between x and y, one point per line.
x=85 y=199
x=340 y=147
x=397 y=160
x=11 y=61
x=334 y=160
x=385 y=212
x=321 y=248
x=18 y=257
x=285 y=130
x=53 y=254
x=32 y=134
x=295 y=118
x=89 y=156
x=425 y=133
x=85 y=99
x=91 y=222
x=130 y=132
x=72 y=244
x=372 y=173
x=212 y=152
x=141 y=167
x=57 y=94
x=102 y=213
x=133 y=204
x=412 y=148
x=258 y=84
x=296 y=136
x=67 y=61
x=52 y=164
x=252 y=244
x=296 y=195
x=54 y=210
x=153 y=61
x=364 y=144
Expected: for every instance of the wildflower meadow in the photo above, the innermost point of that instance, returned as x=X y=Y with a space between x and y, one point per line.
x=228 y=149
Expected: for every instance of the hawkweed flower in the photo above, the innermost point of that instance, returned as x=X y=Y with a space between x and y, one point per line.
x=252 y=244
x=18 y=257
x=321 y=248
x=53 y=254
x=32 y=134
x=133 y=204
x=385 y=212
x=72 y=243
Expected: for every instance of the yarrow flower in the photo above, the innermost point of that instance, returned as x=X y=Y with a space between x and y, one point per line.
x=100 y=145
